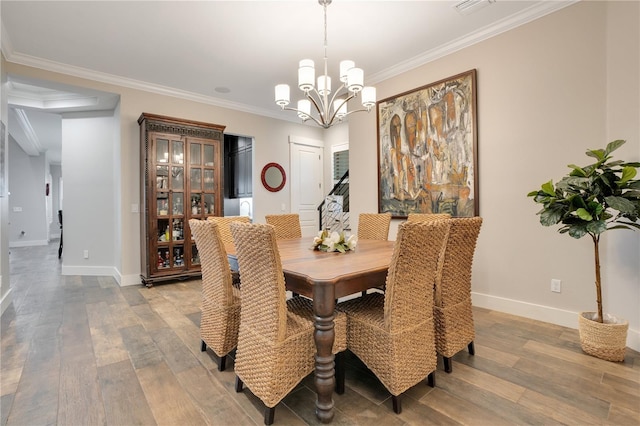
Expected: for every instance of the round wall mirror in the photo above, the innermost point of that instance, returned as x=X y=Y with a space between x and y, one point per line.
x=273 y=177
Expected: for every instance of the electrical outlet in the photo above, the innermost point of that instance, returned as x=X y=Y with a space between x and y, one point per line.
x=556 y=286
x=86 y=254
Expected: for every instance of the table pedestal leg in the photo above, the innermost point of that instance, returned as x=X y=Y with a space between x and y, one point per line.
x=324 y=336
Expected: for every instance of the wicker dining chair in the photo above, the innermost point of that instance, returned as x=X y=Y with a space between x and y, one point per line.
x=220 y=317
x=421 y=217
x=276 y=347
x=392 y=333
x=286 y=225
x=452 y=298
x=225 y=234
x=223 y=225
x=374 y=226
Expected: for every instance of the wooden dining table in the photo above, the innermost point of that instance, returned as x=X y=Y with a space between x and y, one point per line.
x=326 y=277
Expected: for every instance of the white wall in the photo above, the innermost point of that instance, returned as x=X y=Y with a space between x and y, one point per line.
x=28 y=225
x=547 y=91
x=89 y=184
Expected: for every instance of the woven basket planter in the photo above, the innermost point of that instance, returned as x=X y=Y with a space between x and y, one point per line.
x=607 y=340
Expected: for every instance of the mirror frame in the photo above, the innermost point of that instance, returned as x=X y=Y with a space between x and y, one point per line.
x=263 y=177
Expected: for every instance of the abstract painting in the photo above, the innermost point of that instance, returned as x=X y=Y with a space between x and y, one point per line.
x=428 y=149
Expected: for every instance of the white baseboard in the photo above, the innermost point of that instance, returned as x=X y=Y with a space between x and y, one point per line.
x=541 y=313
x=6 y=300
x=28 y=243
x=127 y=280
x=98 y=271
x=103 y=271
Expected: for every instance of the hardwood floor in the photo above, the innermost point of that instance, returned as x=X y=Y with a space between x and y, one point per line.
x=83 y=351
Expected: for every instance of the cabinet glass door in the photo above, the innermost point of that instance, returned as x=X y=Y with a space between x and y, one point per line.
x=168 y=244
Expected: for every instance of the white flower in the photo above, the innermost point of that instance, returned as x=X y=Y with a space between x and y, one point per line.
x=332 y=241
x=352 y=242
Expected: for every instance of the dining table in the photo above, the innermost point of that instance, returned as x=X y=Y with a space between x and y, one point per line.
x=325 y=277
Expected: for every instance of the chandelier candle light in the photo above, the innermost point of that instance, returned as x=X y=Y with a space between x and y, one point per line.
x=329 y=108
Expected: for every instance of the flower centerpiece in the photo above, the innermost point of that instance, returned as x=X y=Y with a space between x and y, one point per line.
x=334 y=241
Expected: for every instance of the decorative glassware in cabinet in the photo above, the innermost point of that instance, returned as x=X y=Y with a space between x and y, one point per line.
x=196 y=179
x=195 y=154
x=164 y=231
x=209 y=181
x=196 y=207
x=162 y=205
x=177 y=178
x=164 y=258
x=178 y=152
x=162 y=178
x=208 y=156
x=178 y=230
x=162 y=151
x=178 y=203
x=178 y=256
x=209 y=204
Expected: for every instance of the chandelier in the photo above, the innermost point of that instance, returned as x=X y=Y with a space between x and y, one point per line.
x=329 y=108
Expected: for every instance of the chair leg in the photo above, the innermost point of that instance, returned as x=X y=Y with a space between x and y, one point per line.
x=472 y=349
x=397 y=407
x=447 y=364
x=222 y=364
x=431 y=379
x=364 y=293
x=268 y=415
x=239 y=384
x=203 y=346
x=340 y=373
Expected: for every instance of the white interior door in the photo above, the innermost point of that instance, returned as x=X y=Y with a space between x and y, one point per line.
x=306 y=184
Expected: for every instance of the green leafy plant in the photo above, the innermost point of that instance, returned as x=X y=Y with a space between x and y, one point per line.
x=593 y=199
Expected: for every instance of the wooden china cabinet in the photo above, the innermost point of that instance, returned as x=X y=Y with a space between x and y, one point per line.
x=181 y=179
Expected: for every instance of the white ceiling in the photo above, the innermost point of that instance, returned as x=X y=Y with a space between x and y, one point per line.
x=230 y=53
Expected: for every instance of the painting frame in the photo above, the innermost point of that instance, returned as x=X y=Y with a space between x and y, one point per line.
x=428 y=149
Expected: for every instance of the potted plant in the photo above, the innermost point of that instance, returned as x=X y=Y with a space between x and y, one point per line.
x=589 y=201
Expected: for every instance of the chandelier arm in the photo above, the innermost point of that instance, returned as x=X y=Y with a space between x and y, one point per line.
x=335 y=110
x=358 y=110
x=337 y=92
x=317 y=107
x=286 y=108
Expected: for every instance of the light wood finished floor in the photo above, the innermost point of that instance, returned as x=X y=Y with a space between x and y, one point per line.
x=83 y=351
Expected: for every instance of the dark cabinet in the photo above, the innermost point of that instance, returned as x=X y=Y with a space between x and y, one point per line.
x=239 y=166
x=181 y=178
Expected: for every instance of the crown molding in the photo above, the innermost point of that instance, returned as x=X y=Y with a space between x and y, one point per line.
x=57 y=67
x=534 y=12
x=530 y=14
x=30 y=144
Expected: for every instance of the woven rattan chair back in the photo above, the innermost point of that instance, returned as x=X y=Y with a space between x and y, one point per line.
x=422 y=217
x=223 y=226
x=286 y=225
x=374 y=226
x=453 y=313
x=220 y=300
x=262 y=280
x=412 y=272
